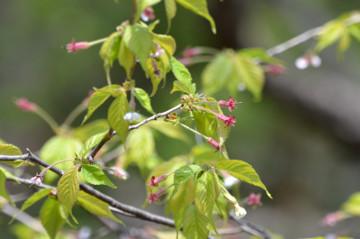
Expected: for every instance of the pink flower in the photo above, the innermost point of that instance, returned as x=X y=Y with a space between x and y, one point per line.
x=229 y=121
x=215 y=144
x=75 y=46
x=154 y=196
x=274 y=69
x=332 y=218
x=231 y=103
x=37 y=180
x=148 y=14
x=154 y=182
x=121 y=174
x=191 y=52
x=254 y=199
x=25 y=105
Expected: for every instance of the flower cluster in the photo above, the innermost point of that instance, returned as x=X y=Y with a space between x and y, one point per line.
x=37 y=179
x=307 y=60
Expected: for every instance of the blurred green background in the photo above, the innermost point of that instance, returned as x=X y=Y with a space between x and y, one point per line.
x=303 y=138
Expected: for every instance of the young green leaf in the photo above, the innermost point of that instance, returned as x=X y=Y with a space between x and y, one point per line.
x=95 y=175
x=218 y=73
x=182 y=196
x=199 y=7
x=170 y=8
x=138 y=40
x=126 y=58
x=179 y=218
x=205 y=194
x=331 y=32
x=68 y=188
x=185 y=172
x=9 y=149
x=91 y=143
x=352 y=205
x=109 y=50
x=117 y=110
x=243 y=171
x=144 y=99
x=166 y=42
x=169 y=130
x=250 y=73
x=92 y=128
x=183 y=75
x=51 y=217
x=59 y=148
x=195 y=225
x=355 y=31
x=96 y=206
x=3 y=192
x=32 y=200
x=343 y=45
x=95 y=101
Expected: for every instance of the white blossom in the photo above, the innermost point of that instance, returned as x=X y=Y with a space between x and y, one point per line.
x=301 y=63
x=131 y=116
x=240 y=212
x=230 y=181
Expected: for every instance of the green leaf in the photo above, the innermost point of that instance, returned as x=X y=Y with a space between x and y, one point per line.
x=355 y=31
x=9 y=149
x=204 y=154
x=183 y=75
x=140 y=147
x=90 y=143
x=219 y=73
x=182 y=196
x=138 y=39
x=51 y=217
x=185 y=172
x=32 y=200
x=59 y=148
x=3 y=192
x=199 y=7
x=170 y=8
x=96 y=206
x=68 y=188
x=243 y=171
x=195 y=224
x=352 y=205
x=169 y=130
x=144 y=99
x=343 y=45
x=94 y=127
x=217 y=184
x=98 y=98
x=166 y=42
x=117 y=110
x=250 y=73
x=109 y=49
x=205 y=194
x=331 y=32
x=126 y=59
x=178 y=219
x=141 y=5
x=95 y=175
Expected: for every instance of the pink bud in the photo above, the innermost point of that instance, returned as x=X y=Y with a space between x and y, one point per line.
x=185 y=61
x=75 y=46
x=25 y=105
x=274 y=69
x=254 y=199
x=215 y=144
x=155 y=181
x=86 y=100
x=332 y=218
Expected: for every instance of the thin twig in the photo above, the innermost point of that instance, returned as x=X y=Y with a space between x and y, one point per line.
x=251 y=228
x=307 y=35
